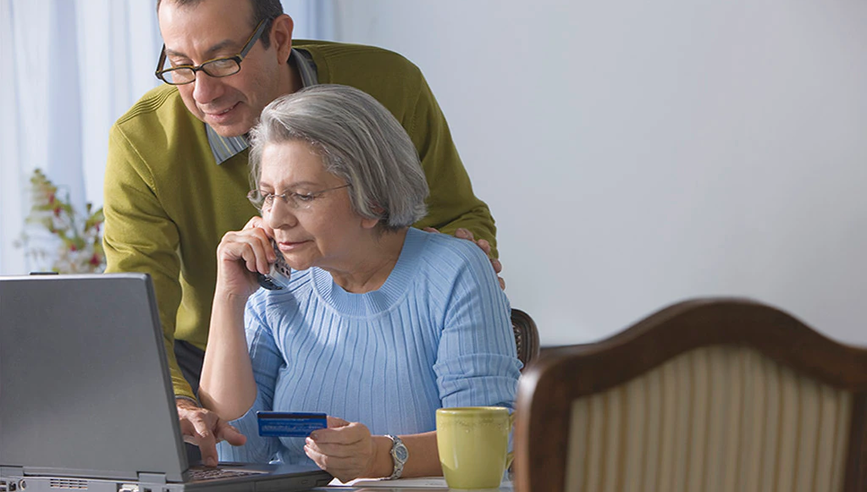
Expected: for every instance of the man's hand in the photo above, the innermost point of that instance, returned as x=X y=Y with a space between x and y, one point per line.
x=205 y=429
x=462 y=233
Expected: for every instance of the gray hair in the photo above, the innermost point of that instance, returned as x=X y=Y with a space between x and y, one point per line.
x=358 y=140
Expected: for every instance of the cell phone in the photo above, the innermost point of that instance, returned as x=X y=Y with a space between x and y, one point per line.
x=290 y=424
x=278 y=277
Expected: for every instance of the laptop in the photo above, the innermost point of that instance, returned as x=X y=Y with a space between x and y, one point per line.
x=86 y=401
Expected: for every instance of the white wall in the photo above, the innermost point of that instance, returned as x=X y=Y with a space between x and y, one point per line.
x=637 y=153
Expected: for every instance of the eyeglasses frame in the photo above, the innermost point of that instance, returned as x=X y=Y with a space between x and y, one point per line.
x=251 y=41
x=285 y=196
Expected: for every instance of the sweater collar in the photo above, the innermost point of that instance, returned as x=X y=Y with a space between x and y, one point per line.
x=392 y=291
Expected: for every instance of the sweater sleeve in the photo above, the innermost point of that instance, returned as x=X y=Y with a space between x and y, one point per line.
x=140 y=237
x=477 y=362
x=267 y=361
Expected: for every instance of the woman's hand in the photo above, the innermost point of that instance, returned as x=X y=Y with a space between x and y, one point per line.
x=346 y=450
x=227 y=386
x=240 y=255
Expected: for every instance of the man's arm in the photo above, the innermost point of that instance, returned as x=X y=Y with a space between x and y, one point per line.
x=140 y=237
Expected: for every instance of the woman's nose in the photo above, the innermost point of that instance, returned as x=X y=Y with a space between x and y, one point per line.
x=281 y=215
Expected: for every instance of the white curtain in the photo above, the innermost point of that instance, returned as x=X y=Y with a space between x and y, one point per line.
x=70 y=69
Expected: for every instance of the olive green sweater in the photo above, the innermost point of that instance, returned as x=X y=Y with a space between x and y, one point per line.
x=168 y=204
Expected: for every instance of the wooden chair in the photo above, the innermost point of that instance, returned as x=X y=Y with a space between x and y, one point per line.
x=716 y=395
x=526 y=336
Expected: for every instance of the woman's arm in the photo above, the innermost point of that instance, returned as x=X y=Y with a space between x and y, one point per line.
x=227 y=385
x=477 y=362
x=348 y=451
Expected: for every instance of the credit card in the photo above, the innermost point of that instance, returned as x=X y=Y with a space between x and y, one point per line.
x=290 y=424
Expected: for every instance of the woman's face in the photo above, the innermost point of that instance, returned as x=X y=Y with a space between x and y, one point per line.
x=324 y=229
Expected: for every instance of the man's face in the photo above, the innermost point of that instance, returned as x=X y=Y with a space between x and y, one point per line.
x=215 y=29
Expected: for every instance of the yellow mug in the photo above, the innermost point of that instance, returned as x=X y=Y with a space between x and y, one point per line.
x=473 y=445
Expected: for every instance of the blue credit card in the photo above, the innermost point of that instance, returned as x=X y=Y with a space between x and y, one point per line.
x=290 y=424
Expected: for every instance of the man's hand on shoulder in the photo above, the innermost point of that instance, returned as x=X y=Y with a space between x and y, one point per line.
x=205 y=429
x=462 y=233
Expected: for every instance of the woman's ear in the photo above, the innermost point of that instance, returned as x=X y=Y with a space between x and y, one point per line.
x=369 y=223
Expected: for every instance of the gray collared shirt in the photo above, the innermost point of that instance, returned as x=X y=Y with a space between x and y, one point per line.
x=225 y=148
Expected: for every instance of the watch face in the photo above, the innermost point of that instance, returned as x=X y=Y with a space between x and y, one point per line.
x=401 y=453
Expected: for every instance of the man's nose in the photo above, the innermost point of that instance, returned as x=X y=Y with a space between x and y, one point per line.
x=206 y=88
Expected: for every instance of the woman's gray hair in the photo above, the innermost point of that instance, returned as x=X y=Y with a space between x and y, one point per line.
x=358 y=140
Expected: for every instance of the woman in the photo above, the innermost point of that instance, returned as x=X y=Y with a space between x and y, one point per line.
x=380 y=325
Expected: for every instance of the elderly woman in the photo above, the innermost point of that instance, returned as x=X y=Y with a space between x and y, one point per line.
x=380 y=325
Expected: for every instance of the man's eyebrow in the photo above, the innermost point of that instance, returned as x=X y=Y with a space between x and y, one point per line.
x=209 y=54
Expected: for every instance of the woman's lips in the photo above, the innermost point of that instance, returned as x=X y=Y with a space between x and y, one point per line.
x=289 y=246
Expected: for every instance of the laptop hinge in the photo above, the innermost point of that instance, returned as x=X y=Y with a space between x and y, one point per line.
x=156 y=478
x=11 y=471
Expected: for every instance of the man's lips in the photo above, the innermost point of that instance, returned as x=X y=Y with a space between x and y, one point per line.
x=217 y=114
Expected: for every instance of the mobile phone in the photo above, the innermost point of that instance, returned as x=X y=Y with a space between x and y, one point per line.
x=278 y=277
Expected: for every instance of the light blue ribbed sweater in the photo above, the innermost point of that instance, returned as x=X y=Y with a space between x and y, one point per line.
x=436 y=334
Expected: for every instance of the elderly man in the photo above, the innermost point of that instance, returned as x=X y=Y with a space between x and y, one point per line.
x=176 y=178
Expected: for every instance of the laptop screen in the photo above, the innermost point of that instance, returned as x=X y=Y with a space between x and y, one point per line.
x=84 y=385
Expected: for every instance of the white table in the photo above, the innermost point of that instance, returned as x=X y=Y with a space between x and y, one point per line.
x=429 y=484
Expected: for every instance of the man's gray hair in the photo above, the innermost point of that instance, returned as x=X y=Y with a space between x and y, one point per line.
x=358 y=140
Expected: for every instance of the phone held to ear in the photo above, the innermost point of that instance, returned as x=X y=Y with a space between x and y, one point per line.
x=278 y=277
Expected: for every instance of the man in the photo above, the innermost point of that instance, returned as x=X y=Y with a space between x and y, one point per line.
x=176 y=178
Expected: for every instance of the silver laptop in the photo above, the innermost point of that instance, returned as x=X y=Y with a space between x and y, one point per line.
x=86 y=402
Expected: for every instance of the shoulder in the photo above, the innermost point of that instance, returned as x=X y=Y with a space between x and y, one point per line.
x=158 y=120
x=157 y=131
x=158 y=103
x=342 y=59
x=452 y=257
x=389 y=77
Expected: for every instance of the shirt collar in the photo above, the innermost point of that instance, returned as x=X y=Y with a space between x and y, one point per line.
x=224 y=148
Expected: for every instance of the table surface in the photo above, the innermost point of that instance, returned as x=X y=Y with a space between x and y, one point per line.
x=430 y=484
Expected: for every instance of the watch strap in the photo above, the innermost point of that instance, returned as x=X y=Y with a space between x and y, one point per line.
x=399 y=455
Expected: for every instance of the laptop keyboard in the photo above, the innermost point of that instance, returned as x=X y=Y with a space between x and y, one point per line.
x=216 y=473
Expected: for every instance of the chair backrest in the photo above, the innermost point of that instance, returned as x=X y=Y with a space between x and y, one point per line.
x=707 y=395
x=526 y=336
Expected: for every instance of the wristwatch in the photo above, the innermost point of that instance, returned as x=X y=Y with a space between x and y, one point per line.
x=399 y=455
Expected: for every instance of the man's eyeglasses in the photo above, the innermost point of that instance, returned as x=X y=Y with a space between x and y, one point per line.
x=218 y=67
x=264 y=201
